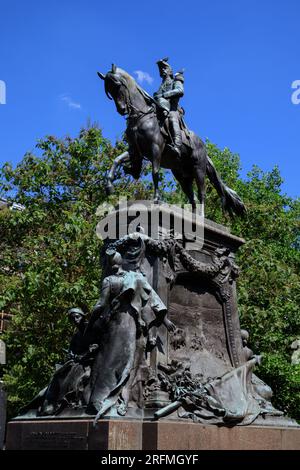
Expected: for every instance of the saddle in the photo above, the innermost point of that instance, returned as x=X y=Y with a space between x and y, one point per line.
x=165 y=130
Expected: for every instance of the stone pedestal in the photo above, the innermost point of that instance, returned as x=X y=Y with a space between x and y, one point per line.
x=202 y=305
x=139 y=435
x=198 y=373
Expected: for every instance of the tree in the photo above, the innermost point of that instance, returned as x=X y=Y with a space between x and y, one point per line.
x=49 y=256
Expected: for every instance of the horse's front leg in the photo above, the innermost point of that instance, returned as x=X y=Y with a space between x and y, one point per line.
x=124 y=157
x=156 y=152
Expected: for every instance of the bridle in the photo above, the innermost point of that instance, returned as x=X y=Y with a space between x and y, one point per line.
x=134 y=114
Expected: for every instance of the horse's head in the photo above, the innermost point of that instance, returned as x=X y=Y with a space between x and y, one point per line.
x=117 y=84
x=125 y=92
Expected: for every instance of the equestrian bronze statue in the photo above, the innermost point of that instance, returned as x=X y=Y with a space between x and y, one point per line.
x=157 y=132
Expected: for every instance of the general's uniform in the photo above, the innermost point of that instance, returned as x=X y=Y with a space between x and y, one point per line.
x=168 y=96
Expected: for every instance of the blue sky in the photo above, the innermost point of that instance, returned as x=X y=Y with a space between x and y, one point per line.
x=240 y=59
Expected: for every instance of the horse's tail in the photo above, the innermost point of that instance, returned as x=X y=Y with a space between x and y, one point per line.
x=231 y=201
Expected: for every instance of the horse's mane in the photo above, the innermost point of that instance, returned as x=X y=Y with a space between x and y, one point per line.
x=131 y=81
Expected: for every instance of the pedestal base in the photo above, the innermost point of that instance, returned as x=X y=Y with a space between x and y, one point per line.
x=139 y=435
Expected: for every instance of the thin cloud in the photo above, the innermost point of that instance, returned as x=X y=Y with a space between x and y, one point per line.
x=143 y=77
x=70 y=102
x=2 y=92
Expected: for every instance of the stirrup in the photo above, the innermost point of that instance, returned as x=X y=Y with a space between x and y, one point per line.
x=174 y=150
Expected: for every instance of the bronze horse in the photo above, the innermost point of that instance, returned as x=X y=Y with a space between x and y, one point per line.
x=146 y=139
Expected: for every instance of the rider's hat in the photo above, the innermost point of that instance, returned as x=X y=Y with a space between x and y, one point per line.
x=163 y=64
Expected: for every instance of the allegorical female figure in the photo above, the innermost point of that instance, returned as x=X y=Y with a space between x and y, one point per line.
x=124 y=312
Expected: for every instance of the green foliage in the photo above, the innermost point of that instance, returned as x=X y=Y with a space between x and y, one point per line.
x=49 y=256
x=49 y=252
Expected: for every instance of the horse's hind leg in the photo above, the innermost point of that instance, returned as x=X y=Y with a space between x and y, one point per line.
x=200 y=181
x=186 y=184
x=155 y=156
x=199 y=159
x=124 y=157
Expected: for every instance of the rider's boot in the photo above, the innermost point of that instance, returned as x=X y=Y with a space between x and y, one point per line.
x=176 y=133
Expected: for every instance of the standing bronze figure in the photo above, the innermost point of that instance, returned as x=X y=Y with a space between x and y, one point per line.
x=150 y=136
